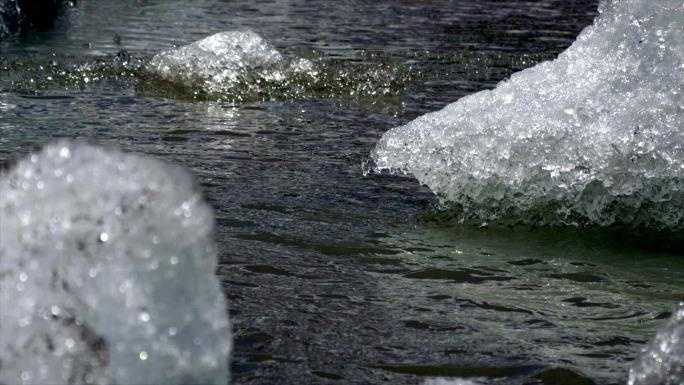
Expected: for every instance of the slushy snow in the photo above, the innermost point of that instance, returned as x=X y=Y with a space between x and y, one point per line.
x=107 y=273
x=595 y=137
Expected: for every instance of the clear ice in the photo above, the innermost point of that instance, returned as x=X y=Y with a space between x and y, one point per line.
x=661 y=362
x=219 y=63
x=595 y=137
x=107 y=266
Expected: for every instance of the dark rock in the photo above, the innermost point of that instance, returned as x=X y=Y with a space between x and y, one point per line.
x=39 y=13
x=9 y=17
x=35 y=13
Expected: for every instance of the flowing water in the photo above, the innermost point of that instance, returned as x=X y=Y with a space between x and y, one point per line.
x=333 y=277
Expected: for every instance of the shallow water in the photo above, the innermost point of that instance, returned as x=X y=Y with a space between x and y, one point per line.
x=333 y=277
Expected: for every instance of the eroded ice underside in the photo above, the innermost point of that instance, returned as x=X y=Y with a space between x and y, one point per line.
x=662 y=361
x=107 y=273
x=595 y=137
x=221 y=62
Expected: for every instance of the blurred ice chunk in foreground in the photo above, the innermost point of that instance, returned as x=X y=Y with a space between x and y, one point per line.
x=107 y=272
x=661 y=362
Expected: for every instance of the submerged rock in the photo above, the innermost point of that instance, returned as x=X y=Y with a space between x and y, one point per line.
x=220 y=63
x=661 y=362
x=107 y=272
x=595 y=137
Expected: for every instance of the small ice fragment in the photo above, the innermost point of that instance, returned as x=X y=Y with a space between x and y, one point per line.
x=661 y=362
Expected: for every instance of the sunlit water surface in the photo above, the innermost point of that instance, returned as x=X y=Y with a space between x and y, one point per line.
x=333 y=277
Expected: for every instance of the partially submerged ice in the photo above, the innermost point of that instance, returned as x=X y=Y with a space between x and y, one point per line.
x=107 y=273
x=661 y=362
x=595 y=137
x=220 y=63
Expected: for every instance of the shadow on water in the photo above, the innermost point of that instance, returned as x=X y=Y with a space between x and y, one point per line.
x=508 y=306
x=616 y=236
x=559 y=299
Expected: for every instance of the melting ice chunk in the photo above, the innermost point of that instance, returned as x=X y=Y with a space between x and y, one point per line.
x=662 y=361
x=595 y=137
x=221 y=62
x=107 y=273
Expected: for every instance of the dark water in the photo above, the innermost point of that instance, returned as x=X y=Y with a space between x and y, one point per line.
x=331 y=276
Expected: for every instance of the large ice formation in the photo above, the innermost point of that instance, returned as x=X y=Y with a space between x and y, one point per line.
x=219 y=63
x=661 y=362
x=595 y=137
x=107 y=273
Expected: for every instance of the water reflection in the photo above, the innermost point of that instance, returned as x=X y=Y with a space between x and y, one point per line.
x=329 y=277
x=483 y=296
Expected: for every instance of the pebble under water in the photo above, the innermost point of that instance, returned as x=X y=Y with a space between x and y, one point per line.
x=330 y=276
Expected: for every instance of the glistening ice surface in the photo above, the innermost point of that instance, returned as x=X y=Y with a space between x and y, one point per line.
x=107 y=272
x=219 y=63
x=594 y=137
x=662 y=360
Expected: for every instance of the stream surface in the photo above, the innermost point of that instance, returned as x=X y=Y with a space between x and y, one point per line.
x=333 y=277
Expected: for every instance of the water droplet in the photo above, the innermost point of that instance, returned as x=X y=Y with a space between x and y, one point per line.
x=64 y=153
x=144 y=317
